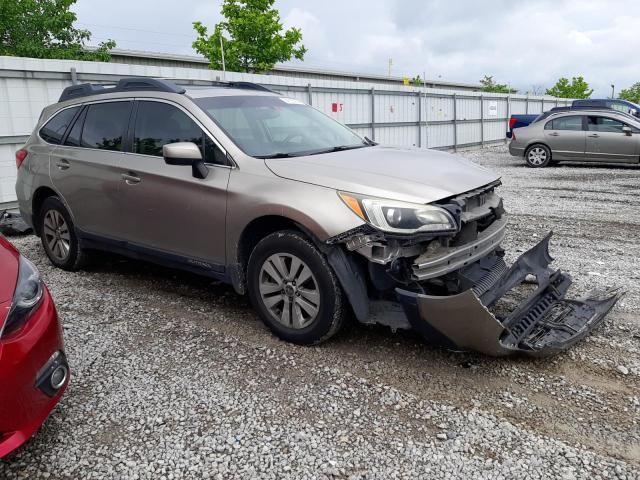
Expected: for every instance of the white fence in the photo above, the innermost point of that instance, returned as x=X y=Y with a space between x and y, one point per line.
x=407 y=116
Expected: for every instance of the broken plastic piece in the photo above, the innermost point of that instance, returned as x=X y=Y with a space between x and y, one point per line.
x=544 y=324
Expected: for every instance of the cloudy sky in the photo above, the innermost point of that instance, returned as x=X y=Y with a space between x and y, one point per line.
x=525 y=43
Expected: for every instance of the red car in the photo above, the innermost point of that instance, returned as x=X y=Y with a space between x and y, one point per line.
x=33 y=367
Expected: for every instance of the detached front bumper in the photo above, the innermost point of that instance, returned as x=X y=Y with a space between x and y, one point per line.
x=543 y=324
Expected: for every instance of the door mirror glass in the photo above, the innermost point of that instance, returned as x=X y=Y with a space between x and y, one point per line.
x=185 y=153
x=626 y=130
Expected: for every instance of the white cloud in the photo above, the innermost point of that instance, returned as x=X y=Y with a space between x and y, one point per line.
x=524 y=43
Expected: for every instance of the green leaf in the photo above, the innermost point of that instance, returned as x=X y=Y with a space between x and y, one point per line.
x=44 y=29
x=252 y=36
x=577 y=88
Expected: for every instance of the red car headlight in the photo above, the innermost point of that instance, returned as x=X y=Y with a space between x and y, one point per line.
x=27 y=297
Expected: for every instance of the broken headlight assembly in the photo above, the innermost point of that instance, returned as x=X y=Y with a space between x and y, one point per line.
x=28 y=295
x=399 y=217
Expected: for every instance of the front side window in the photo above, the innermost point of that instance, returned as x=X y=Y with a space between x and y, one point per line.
x=604 y=124
x=54 y=129
x=271 y=126
x=565 y=123
x=158 y=124
x=105 y=125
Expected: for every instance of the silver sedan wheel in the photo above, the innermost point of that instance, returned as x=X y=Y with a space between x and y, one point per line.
x=289 y=290
x=56 y=235
x=537 y=156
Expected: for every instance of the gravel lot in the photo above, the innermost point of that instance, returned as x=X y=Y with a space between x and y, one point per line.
x=174 y=377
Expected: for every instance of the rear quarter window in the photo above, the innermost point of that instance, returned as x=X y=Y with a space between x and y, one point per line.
x=54 y=129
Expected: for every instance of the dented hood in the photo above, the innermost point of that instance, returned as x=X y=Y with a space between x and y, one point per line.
x=412 y=175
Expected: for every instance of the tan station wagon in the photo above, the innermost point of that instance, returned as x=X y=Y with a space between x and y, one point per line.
x=246 y=185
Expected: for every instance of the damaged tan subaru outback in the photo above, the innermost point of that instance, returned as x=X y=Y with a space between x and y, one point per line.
x=243 y=184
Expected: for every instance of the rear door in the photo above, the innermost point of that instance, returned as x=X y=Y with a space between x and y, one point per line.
x=566 y=137
x=85 y=168
x=166 y=210
x=606 y=142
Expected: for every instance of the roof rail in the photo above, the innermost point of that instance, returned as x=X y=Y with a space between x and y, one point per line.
x=228 y=84
x=129 y=84
x=250 y=86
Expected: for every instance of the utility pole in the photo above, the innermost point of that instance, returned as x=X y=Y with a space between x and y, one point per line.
x=390 y=64
x=222 y=51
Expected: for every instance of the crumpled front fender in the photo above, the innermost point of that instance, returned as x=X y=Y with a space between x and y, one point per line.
x=543 y=324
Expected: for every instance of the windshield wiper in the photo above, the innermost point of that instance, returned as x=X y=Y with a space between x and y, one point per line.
x=338 y=148
x=279 y=155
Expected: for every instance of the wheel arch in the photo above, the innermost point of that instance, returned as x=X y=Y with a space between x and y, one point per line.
x=349 y=274
x=39 y=196
x=533 y=144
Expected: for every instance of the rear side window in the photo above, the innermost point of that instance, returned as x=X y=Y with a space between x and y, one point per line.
x=54 y=129
x=105 y=125
x=565 y=123
x=73 y=138
x=158 y=124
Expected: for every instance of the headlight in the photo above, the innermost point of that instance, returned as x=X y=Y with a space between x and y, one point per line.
x=399 y=217
x=27 y=297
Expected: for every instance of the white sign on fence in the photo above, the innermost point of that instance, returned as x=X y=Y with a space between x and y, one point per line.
x=493 y=108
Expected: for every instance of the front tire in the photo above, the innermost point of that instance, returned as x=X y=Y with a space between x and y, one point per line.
x=294 y=289
x=58 y=236
x=538 y=156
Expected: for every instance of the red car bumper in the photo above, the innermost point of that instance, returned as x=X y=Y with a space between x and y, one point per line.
x=27 y=358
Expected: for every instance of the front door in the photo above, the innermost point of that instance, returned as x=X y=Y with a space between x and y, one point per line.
x=606 y=142
x=166 y=210
x=566 y=137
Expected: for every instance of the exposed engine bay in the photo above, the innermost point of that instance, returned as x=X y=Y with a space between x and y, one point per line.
x=450 y=285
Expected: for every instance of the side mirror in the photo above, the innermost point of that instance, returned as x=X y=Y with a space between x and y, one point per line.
x=626 y=130
x=185 y=154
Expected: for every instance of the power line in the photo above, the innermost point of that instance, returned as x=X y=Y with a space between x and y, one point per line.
x=135 y=29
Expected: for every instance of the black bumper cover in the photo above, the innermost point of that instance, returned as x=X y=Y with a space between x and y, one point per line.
x=544 y=324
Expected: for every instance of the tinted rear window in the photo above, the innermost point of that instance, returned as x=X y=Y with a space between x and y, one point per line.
x=105 y=125
x=54 y=129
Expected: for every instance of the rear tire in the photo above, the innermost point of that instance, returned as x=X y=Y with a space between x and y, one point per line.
x=537 y=156
x=294 y=289
x=59 y=237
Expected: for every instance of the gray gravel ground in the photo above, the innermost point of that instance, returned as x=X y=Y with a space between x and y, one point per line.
x=174 y=377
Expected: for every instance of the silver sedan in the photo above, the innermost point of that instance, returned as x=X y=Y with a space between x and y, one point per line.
x=578 y=136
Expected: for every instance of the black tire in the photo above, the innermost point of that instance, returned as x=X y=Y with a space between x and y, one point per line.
x=330 y=313
x=537 y=156
x=75 y=257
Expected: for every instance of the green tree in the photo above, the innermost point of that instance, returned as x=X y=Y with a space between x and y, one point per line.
x=577 y=88
x=255 y=42
x=632 y=93
x=490 y=85
x=44 y=29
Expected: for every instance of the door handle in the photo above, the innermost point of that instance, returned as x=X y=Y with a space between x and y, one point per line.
x=593 y=135
x=63 y=164
x=554 y=134
x=131 y=178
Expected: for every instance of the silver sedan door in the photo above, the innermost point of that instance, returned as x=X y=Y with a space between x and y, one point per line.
x=566 y=137
x=607 y=142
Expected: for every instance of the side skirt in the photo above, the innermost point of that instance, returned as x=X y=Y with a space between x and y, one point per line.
x=139 y=252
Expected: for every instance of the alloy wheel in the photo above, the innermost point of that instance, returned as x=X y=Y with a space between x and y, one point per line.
x=537 y=156
x=289 y=290
x=56 y=235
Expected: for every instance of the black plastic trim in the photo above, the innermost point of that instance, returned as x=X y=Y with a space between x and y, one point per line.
x=129 y=84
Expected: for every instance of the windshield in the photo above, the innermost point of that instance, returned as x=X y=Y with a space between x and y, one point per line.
x=271 y=127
